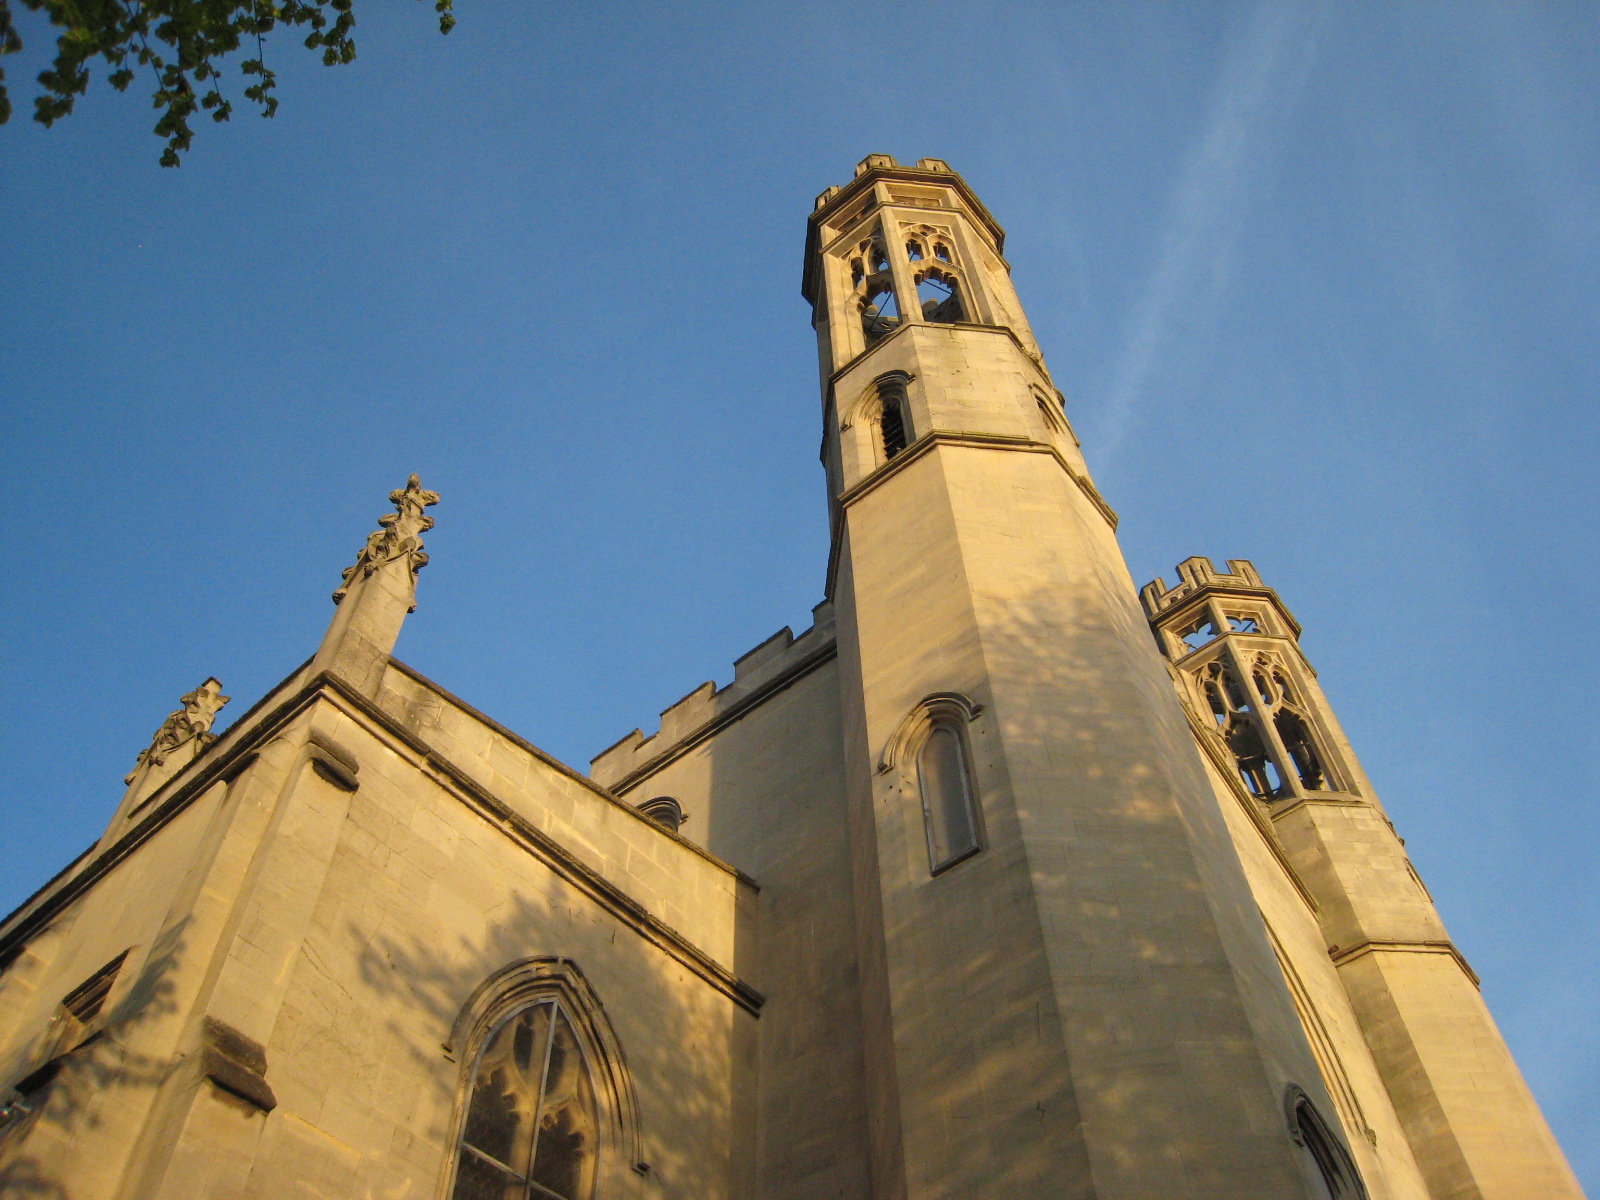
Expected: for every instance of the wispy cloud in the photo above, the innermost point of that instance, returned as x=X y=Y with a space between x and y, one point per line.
x=1259 y=79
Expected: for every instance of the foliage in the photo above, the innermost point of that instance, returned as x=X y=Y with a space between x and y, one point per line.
x=182 y=42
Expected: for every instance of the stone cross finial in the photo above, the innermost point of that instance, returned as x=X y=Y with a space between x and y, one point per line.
x=399 y=535
x=192 y=721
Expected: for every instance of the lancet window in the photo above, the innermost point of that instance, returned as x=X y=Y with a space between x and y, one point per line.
x=1235 y=717
x=930 y=756
x=1330 y=1164
x=949 y=808
x=875 y=299
x=939 y=294
x=894 y=425
x=1244 y=717
x=532 y=1123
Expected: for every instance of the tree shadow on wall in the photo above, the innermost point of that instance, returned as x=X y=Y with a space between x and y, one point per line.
x=1085 y=971
x=71 y=1088
x=684 y=1045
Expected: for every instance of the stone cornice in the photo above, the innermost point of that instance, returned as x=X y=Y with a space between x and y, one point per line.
x=781 y=682
x=42 y=909
x=1342 y=956
x=556 y=764
x=965 y=326
x=1326 y=799
x=923 y=446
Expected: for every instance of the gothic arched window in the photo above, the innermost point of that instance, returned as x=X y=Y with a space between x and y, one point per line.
x=532 y=1127
x=894 y=425
x=1330 y=1163
x=930 y=754
x=547 y=1104
x=940 y=297
x=945 y=781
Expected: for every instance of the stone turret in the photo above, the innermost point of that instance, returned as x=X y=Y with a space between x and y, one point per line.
x=1473 y=1126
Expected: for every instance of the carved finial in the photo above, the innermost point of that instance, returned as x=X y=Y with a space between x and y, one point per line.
x=192 y=721
x=399 y=534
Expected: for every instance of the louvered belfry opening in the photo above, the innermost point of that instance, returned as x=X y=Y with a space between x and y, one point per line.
x=892 y=421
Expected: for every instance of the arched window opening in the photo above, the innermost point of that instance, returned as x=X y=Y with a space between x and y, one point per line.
x=1285 y=693
x=1329 y=1163
x=532 y=1126
x=1296 y=738
x=947 y=801
x=940 y=302
x=879 y=314
x=1198 y=634
x=914 y=250
x=942 y=252
x=664 y=811
x=1236 y=723
x=1219 y=710
x=894 y=427
x=880 y=260
x=1256 y=768
x=1241 y=624
x=1262 y=689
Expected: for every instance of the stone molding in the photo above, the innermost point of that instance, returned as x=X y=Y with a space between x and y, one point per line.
x=1341 y=955
x=525 y=982
x=923 y=714
x=45 y=907
x=923 y=446
x=576 y=776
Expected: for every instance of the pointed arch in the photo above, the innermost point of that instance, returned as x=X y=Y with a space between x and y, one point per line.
x=1328 y=1155
x=934 y=756
x=885 y=406
x=545 y=1000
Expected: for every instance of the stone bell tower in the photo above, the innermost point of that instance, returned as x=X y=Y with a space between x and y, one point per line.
x=1473 y=1127
x=1068 y=990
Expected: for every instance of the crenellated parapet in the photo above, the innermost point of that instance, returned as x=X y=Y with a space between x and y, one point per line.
x=767 y=668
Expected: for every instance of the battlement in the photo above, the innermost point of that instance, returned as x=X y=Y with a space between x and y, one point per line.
x=753 y=673
x=885 y=162
x=1194 y=575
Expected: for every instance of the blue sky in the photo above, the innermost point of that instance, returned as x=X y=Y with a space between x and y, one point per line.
x=1319 y=283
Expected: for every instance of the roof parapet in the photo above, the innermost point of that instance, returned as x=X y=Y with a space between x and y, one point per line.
x=752 y=671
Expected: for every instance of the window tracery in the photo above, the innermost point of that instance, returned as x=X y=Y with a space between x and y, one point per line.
x=873 y=283
x=1243 y=716
x=1231 y=709
x=532 y=1126
x=546 y=1099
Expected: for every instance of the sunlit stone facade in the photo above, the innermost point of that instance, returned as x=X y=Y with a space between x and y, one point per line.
x=1004 y=879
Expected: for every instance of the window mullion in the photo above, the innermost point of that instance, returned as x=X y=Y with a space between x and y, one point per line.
x=493 y=1162
x=538 y=1107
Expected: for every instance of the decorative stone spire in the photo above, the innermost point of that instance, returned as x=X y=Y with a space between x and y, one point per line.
x=399 y=535
x=189 y=724
x=377 y=593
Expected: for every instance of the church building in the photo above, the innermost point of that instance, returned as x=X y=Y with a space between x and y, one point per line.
x=1005 y=879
